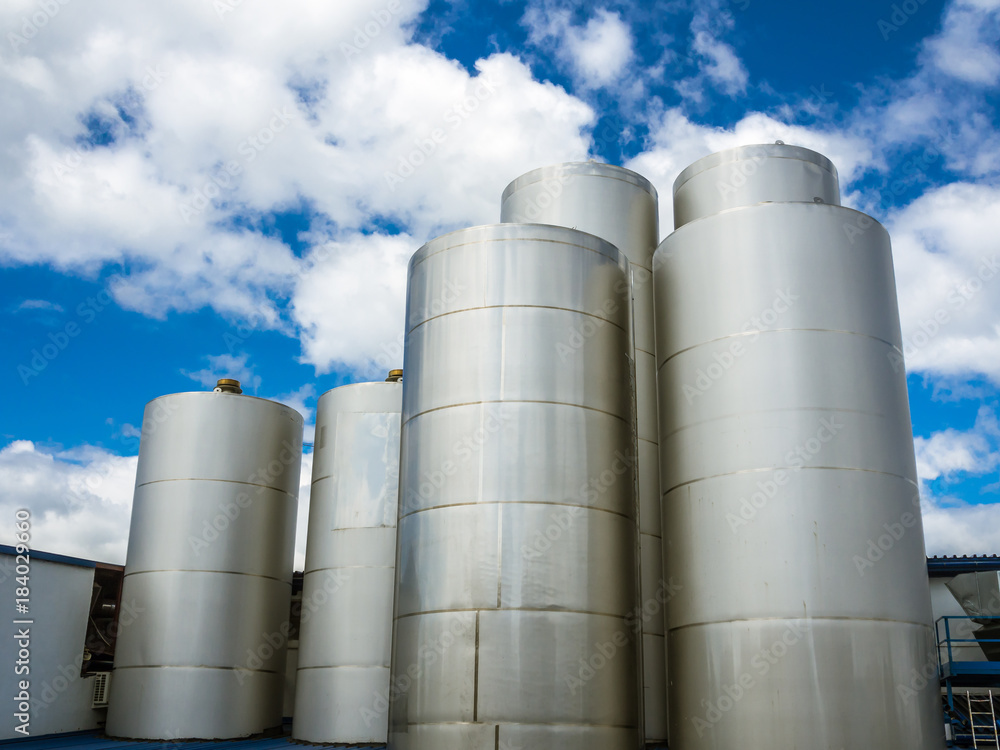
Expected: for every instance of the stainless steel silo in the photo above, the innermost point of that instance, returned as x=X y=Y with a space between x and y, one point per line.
x=791 y=511
x=514 y=612
x=208 y=569
x=768 y=172
x=619 y=206
x=344 y=642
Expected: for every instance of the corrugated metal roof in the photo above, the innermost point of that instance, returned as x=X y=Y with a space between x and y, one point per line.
x=97 y=741
x=942 y=567
x=6 y=549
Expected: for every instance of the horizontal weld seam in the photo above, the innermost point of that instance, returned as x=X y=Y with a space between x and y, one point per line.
x=345 y=666
x=192 y=666
x=516 y=609
x=921 y=625
x=518 y=502
x=491 y=240
x=512 y=401
x=227 y=481
x=788 y=468
x=515 y=723
x=530 y=307
x=214 y=572
x=775 y=330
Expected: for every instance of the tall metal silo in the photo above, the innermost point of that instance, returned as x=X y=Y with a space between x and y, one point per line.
x=514 y=616
x=619 y=206
x=209 y=568
x=345 y=632
x=791 y=509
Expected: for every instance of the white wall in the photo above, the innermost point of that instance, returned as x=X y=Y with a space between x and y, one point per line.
x=60 y=601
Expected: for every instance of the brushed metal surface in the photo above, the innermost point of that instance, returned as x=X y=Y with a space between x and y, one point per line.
x=194 y=702
x=791 y=511
x=784 y=684
x=517 y=532
x=619 y=206
x=748 y=175
x=345 y=633
x=208 y=569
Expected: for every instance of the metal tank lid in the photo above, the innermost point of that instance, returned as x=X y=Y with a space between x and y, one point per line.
x=503 y=232
x=227 y=390
x=366 y=396
x=776 y=150
x=358 y=389
x=581 y=168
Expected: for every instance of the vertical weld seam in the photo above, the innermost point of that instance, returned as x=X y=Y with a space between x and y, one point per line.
x=475 y=682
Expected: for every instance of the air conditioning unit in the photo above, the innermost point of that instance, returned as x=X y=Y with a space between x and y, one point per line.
x=102 y=680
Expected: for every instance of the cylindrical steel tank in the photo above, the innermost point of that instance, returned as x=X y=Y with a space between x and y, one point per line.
x=769 y=172
x=619 y=206
x=514 y=616
x=791 y=511
x=209 y=569
x=345 y=631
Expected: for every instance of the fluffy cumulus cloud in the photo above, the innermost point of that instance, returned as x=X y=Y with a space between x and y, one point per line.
x=943 y=106
x=950 y=452
x=966 y=47
x=80 y=500
x=956 y=528
x=596 y=52
x=716 y=63
x=350 y=304
x=948 y=278
x=954 y=525
x=161 y=140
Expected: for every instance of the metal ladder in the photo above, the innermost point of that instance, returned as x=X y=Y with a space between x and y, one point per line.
x=984 y=734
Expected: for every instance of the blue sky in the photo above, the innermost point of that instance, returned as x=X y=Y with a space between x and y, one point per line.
x=233 y=189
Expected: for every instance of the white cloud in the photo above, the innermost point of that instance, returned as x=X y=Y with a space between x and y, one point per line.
x=39 y=304
x=966 y=46
x=943 y=105
x=717 y=62
x=302 y=517
x=80 y=500
x=213 y=122
x=948 y=280
x=960 y=528
x=597 y=52
x=720 y=63
x=350 y=303
x=951 y=452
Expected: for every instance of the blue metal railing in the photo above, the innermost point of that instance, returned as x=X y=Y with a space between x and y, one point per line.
x=946 y=644
x=955 y=634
